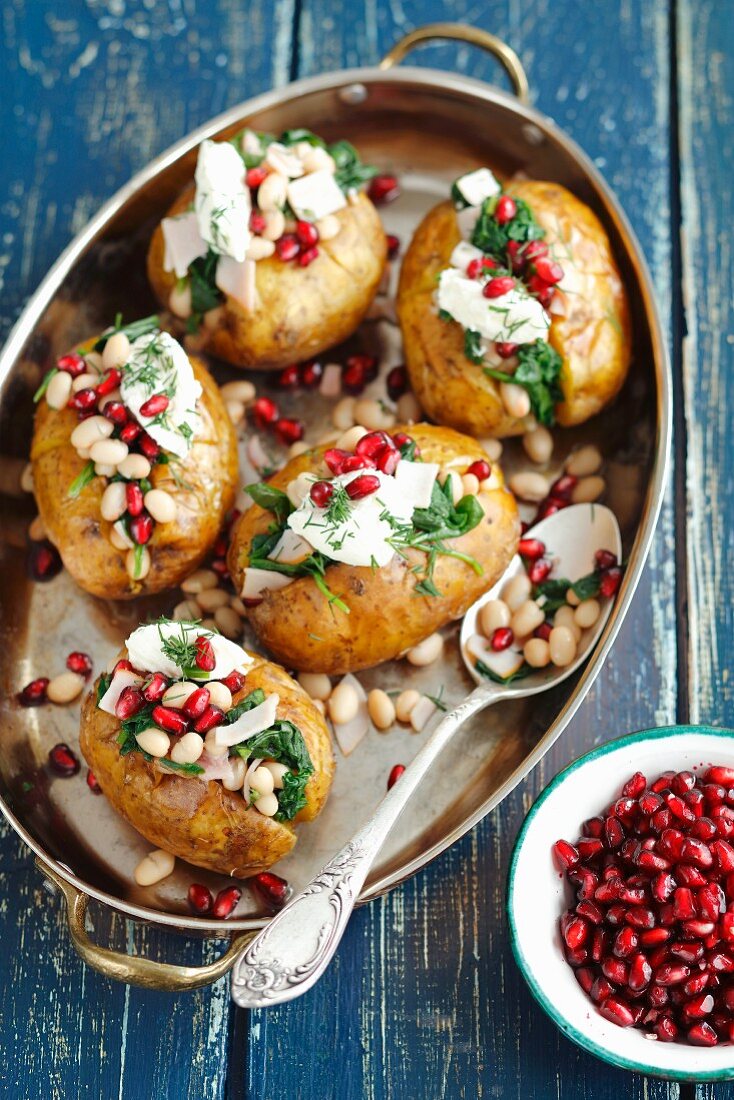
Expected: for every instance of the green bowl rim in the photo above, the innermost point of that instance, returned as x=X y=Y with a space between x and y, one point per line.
x=576 y=1036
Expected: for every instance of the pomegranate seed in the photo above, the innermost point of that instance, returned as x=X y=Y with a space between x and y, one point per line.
x=585 y=978
x=702 y=1035
x=640 y=918
x=310 y=374
x=134 y=498
x=588 y=847
x=257 y=222
x=617 y=1011
x=687 y=952
x=130 y=432
x=211 y=717
x=548 y=271
x=682 y=782
x=671 y=974
x=321 y=493
x=505 y=210
x=565 y=854
x=122 y=666
x=335 y=458
x=265 y=412
x=289 y=430
x=63 y=761
x=531 y=549
x=44 y=562
x=273 y=888
x=363 y=486
x=371 y=444
x=149 y=447
x=704 y=829
x=505 y=350
x=726 y=926
x=141 y=528
x=721 y=775
x=395 y=772
x=307 y=233
x=665 y=1029
x=695 y=851
x=170 y=719
x=205 y=658
x=93 y=783
x=155 y=405
x=235 y=681
x=663 y=886
x=635 y=786
x=116 y=412
x=83 y=400
x=540 y=289
x=539 y=570
x=288 y=379
x=498 y=286
x=383 y=189
x=73 y=364
x=724 y=853
x=625 y=943
x=502 y=638
x=610 y=581
x=613 y=832
x=649 y=803
x=600 y=990
x=658 y=996
x=640 y=973
x=109 y=381
x=393 y=246
x=699 y=1006
x=155 y=688
x=255 y=176
x=200 y=899
x=589 y=911
x=397 y=383
x=307 y=257
x=543 y=631
x=196 y=703
x=720 y=963
x=287 y=247
x=130 y=702
x=616 y=970
x=359 y=370
x=34 y=693
x=387 y=460
x=226 y=902
x=576 y=956
x=481 y=471
x=696 y=984
x=652 y=862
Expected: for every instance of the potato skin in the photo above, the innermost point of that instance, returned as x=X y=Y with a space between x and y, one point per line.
x=386 y=618
x=593 y=339
x=302 y=310
x=208 y=477
x=200 y=821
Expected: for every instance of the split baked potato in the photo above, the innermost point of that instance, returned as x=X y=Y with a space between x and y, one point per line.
x=307 y=628
x=590 y=324
x=196 y=819
x=202 y=485
x=291 y=300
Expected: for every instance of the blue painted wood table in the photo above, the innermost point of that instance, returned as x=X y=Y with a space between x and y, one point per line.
x=423 y=999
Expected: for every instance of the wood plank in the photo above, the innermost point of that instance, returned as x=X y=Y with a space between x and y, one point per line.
x=90 y=94
x=424 y=998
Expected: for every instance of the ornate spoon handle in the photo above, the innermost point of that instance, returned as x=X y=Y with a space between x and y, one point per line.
x=293 y=950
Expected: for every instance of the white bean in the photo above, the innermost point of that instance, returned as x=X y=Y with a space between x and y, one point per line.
x=103 y=469
x=271 y=192
x=212 y=598
x=36 y=529
x=161 y=505
x=351 y=438
x=536 y=652
x=219 y=695
x=111 y=452
x=328 y=227
x=588 y=489
x=370 y=412
x=515 y=399
x=237 y=605
x=116 y=351
x=138 y=567
x=342 y=416
x=405 y=703
x=317 y=159
x=587 y=460
x=259 y=248
x=517 y=591
x=228 y=622
x=179 y=300
x=214 y=749
x=274 y=225
x=565 y=616
x=198 y=581
x=154 y=741
x=26 y=478
x=90 y=431
x=58 y=391
x=177 y=694
x=234 y=780
x=492 y=448
x=320 y=706
x=262 y=780
x=277 y=771
x=119 y=537
x=134 y=467
x=83 y=382
x=427 y=651
x=571 y=598
x=188 y=748
x=493 y=615
x=93 y=361
x=408 y=408
x=267 y=805
x=527 y=617
x=529 y=486
x=214 y=318
x=154 y=868
x=470 y=485
x=343 y=703
x=65 y=687
x=113 y=503
x=538 y=445
x=381 y=709
x=315 y=684
x=239 y=390
x=298 y=448
x=587 y=613
x=185 y=611
x=235 y=411
x=562 y=646
x=209 y=624
x=421 y=713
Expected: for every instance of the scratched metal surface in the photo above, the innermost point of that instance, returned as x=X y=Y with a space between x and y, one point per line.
x=423 y=999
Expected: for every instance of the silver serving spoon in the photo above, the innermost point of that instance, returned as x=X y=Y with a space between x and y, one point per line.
x=291 y=953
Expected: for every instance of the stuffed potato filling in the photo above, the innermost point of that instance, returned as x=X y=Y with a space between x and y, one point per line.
x=362 y=509
x=256 y=196
x=182 y=701
x=501 y=286
x=135 y=396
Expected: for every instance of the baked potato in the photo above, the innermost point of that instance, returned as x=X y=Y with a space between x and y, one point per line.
x=299 y=263
x=587 y=308
x=116 y=539
x=200 y=806
x=335 y=616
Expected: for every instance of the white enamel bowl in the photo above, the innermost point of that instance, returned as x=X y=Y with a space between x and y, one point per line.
x=537 y=896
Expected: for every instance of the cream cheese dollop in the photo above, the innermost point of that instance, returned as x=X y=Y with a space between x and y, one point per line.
x=145 y=648
x=516 y=317
x=158 y=364
x=222 y=202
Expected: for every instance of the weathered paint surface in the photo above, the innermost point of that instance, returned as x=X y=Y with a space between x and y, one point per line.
x=423 y=999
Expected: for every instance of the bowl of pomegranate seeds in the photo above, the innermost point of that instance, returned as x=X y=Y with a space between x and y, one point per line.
x=621 y=902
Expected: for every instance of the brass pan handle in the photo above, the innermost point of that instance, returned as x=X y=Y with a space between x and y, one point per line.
x=131 y=968
x=473 y=36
